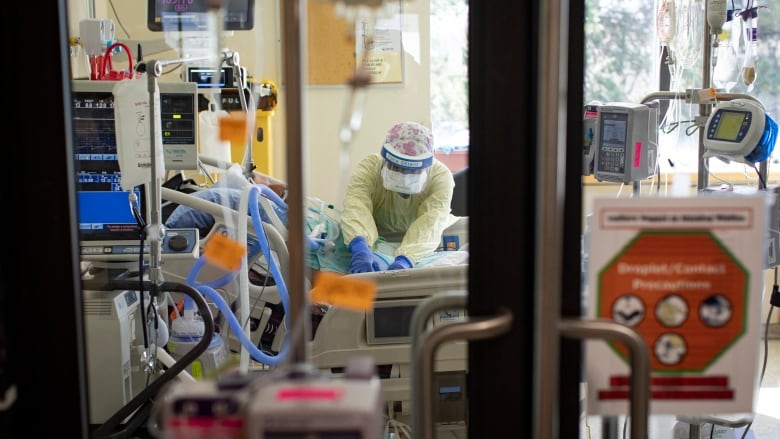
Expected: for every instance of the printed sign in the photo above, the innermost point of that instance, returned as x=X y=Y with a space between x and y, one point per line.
x=686 y=274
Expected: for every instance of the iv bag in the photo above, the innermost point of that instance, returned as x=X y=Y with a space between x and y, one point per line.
x=208 y=132
x=727 y=68
x=749 y=62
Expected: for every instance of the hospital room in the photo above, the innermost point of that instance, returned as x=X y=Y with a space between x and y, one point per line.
x=395 y=219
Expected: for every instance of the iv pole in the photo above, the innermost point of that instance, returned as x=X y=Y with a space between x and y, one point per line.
x=293 y=14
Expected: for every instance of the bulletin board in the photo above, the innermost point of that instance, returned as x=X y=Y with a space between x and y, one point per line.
x=331 y=45
x=333 y=50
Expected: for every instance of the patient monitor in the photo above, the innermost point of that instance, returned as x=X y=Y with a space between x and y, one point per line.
x=93 y=114
x=108 y=228
x=626 y=142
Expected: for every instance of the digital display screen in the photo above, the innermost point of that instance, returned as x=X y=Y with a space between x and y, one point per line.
x=206 y=77
x=392 y=321
x=192 y=15
x=104 y=212
x=103 y=207
x=613 y=135
x=729 y=125
x=449 y=389
x=614 y=128
x=178 y=116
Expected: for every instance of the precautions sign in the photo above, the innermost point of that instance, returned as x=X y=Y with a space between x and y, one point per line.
x=686 y=274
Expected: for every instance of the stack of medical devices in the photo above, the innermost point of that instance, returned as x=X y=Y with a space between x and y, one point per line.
x=112 y=240
x=118 y=241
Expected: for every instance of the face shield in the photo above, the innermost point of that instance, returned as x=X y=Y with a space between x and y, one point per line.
x=403 y=173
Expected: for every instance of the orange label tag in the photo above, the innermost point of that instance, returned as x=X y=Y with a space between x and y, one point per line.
x=345 y=291
x=224 y=252
x=232 y=128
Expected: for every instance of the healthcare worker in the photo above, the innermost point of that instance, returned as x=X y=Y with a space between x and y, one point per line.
x=402 y=189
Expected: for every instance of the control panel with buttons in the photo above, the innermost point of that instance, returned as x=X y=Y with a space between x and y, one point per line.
x=175 y=243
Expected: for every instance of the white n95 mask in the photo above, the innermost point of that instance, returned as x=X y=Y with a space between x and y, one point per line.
x=403 y=183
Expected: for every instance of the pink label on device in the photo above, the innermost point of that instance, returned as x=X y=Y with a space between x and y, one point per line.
x=637 y=150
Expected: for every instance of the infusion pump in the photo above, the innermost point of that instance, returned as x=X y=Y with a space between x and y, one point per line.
x=740 y=131
x=626 y=142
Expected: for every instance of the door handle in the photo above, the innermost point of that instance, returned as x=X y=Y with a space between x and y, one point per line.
x=424 y=350
x=639 y=359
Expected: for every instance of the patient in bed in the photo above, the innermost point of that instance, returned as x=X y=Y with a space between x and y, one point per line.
x=327 y=250
x=396 y=208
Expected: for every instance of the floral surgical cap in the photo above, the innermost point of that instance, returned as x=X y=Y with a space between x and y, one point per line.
x=410 y=138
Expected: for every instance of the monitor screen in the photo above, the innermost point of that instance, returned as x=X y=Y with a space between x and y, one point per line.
x=104 y=212
x=108 y=228
x=206 y=77
x=730 y=125
x=390 y=321
x=613 y=134
x=192 y=15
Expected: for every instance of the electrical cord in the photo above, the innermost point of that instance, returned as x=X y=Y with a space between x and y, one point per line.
x=691 y=130
x=761 y=181
x=667 y=128
x=140 y=287
x=118 y=20
x=139 y=219
x=254 y=304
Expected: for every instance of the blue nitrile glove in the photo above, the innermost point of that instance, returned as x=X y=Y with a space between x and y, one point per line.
x=363 y=260
x=401 y=263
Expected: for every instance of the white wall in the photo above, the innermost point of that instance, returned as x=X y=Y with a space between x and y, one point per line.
x=259 y=52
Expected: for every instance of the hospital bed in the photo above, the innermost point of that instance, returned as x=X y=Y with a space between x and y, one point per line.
x=383 y=332
x=337 y=333
x=454 y=239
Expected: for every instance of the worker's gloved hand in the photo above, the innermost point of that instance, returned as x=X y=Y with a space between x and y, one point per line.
x=401 y=263
x=363 y=260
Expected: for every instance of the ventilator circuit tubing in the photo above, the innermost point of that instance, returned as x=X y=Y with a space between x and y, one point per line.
x=208 y=289
x=249 y=202
x=267 y=192
x=235 y=325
